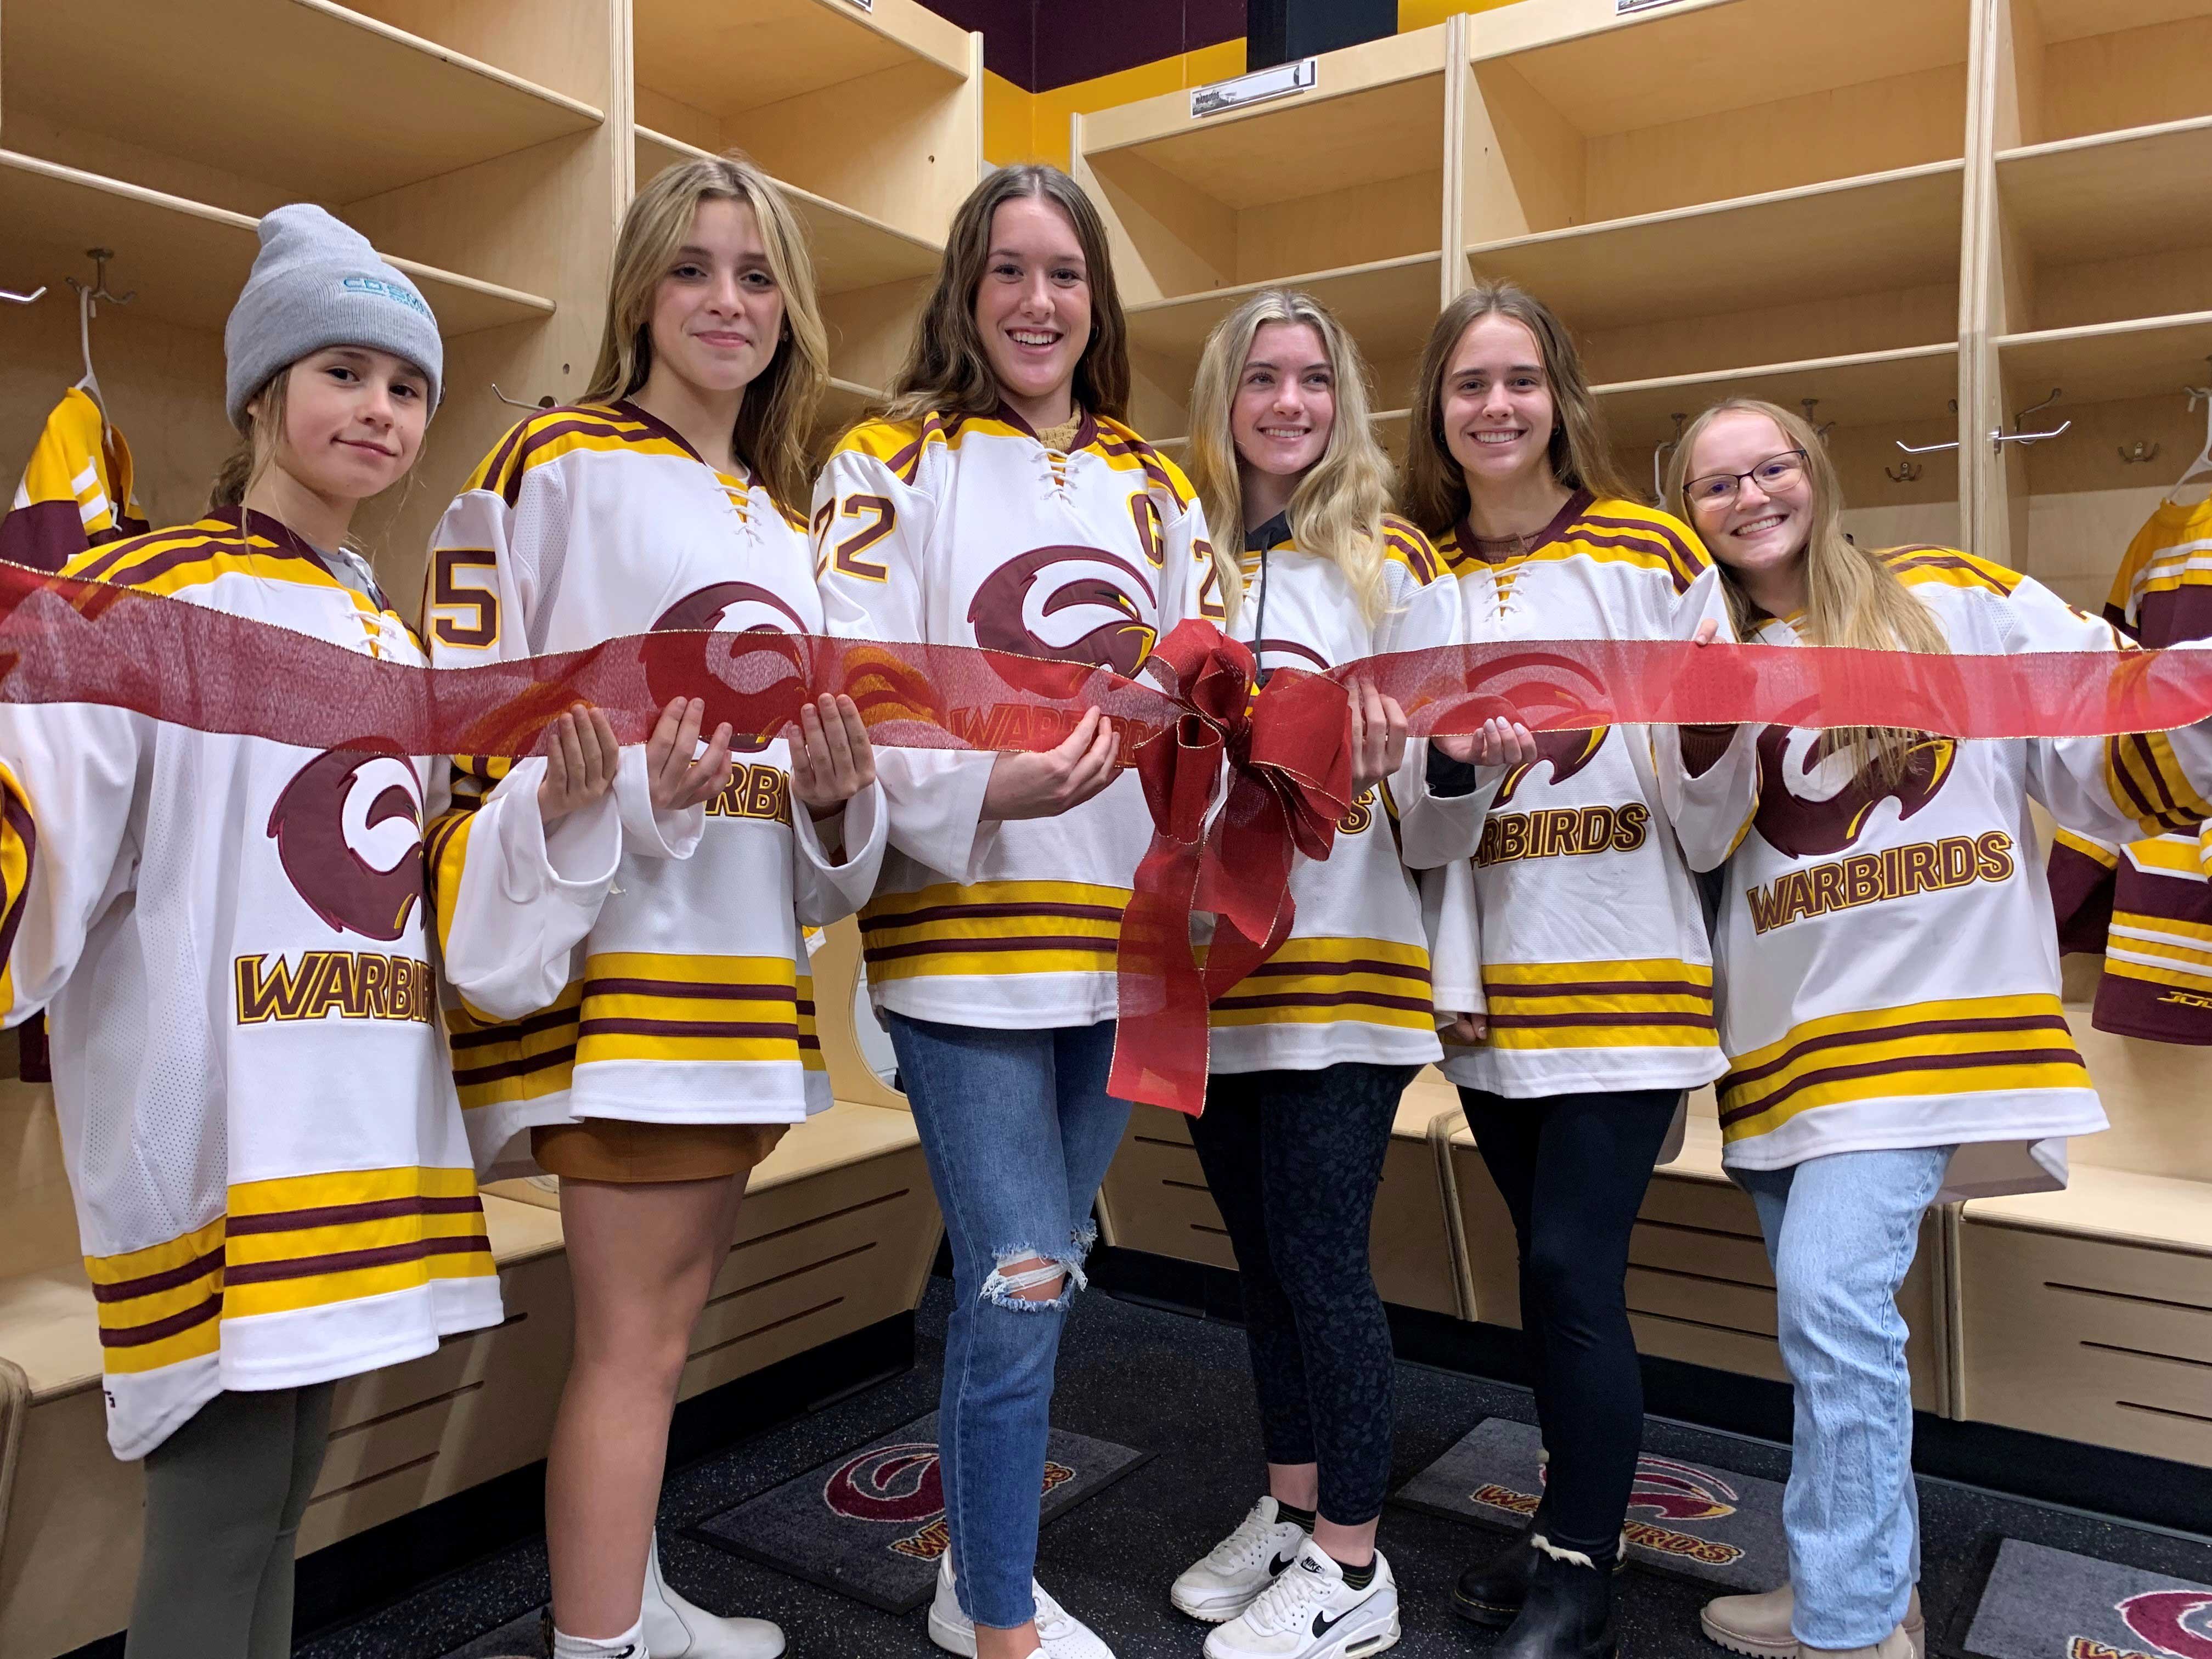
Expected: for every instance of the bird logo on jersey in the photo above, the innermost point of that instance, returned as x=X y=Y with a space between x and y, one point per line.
x=349 y=832
x=1565 y=752
x=1812 y=803
x=1065 y=604
x=1289 y=648
x=726 y=608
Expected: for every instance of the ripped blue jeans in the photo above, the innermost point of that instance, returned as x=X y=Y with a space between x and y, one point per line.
x=1018 y=1129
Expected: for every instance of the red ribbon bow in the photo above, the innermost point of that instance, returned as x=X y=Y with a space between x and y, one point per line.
x=1289 y=749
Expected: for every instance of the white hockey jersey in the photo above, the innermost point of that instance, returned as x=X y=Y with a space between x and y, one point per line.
x=690 y=1001
x=1354 y=980
x=1595 y=964
x=1889 y=969
x=229 y=934
x=954 y=530
x=2146 y=906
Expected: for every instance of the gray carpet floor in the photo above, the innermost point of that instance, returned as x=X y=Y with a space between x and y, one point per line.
x=1178 y=1386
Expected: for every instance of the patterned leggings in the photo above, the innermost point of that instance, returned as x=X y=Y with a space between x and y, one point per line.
x=1294 y=1159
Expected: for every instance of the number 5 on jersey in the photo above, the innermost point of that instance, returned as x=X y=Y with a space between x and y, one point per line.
x=463 y=614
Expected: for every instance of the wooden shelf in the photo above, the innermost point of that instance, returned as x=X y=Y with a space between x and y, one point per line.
x=1374 y=112
x=851 y=250
x=2147 y=190
x=187 y=260
x=2105 y=362
x=1890 y=230
x=253 y=87
x=745 y=54
x=1388 y=306
x=1904 y=387
x=1604 y=74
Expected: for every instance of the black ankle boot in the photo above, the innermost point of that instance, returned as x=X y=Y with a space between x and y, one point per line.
x=1491 y=1591
x=1568 y=1613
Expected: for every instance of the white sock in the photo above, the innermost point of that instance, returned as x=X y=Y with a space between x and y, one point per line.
x=630 y=1644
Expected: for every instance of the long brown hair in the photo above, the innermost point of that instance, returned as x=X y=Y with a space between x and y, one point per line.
x=775 y=421
x=1338 y=506
x=1852 y=597
x=947 y=368
x=1433 y=493
x=256 y=450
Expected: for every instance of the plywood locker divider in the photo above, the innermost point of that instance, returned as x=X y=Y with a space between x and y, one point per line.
x=1338 y=189
x=1796 y=234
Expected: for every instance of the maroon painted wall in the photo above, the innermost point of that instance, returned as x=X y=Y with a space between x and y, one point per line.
x=1042 y=44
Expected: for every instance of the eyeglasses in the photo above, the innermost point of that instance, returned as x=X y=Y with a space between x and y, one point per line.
x=1775 y=472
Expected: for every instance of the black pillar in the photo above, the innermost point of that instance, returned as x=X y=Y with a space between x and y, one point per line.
x=1281 y=31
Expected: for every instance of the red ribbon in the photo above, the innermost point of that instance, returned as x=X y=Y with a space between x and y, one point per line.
x=65 y=640
x=1288 y=750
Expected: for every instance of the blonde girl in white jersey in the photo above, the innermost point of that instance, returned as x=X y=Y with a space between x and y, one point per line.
x=1889 y=982
x=1001 y=502
x=1310 y=1052
x=683 y=1044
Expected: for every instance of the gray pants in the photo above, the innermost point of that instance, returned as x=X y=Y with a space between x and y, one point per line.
x=224 y=1496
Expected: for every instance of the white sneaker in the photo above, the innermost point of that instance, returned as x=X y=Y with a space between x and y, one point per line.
x=1240 y=1566
x=1310 y=1612
x=1063 y=1634
x=674 y=1629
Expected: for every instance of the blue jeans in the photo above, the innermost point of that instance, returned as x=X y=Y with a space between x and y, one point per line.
x=1018 y=1129
x=1841 y=1232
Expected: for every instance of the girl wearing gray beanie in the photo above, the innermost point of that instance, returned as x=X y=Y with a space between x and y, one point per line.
x=274 y=1188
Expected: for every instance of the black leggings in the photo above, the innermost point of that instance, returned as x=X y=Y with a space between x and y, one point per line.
x=1572 y=1169
x=1294 y=1159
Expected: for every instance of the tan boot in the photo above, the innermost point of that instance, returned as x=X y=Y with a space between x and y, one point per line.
x=1896 y=1645
x=1758 y=1626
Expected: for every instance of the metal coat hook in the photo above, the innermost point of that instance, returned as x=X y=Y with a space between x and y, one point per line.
x=2138 y=451
x=14 y=298
x=97 y=288
x=545 y=402
x=1905 y=471
x=1809 y=404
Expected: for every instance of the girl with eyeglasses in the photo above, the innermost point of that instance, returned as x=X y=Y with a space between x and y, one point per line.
x=1595 y=968
x=1890 y=983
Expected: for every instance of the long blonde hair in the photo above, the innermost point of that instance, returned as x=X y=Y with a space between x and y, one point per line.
x=1852 y=597
x=1433 y=493
x=946 y=367
x=1338 y=507
x=256 y=450
x=775 y=422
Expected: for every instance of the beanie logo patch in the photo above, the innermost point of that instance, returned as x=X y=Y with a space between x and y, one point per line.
x=377 y=285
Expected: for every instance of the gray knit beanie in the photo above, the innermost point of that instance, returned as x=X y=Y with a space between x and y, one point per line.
x=317 y=282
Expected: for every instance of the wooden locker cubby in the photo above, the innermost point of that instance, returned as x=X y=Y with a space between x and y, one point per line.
x=1794 y=233
x=2097 y=246
x=472 y=151
x=1202 y=210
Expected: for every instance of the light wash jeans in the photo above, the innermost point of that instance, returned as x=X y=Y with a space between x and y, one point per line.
x=1018 y=1129
x=1841 y=1232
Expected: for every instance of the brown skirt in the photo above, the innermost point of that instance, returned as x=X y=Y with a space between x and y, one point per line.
x=616 y=1149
